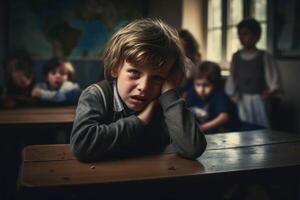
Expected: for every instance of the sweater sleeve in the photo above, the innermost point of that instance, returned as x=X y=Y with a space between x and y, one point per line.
x=93 y=137
x=230 y=86
x=182 y=127
x=271 y=73
x=59 y=95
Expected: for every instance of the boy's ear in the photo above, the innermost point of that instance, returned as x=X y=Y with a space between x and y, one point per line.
x=114 y=72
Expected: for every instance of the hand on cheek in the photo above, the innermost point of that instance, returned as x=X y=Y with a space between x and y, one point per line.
x=146 y=115
x=174 y=80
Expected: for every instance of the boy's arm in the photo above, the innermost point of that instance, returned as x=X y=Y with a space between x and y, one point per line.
x=217 y=122
x=93 y=136
x=182 y=126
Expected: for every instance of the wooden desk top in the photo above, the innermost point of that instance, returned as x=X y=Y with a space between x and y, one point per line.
x=38 y=115
x=54 y=165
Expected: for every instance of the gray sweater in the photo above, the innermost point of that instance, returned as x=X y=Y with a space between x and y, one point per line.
x=101 y=131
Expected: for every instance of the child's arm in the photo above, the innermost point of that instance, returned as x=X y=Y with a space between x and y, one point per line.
x=94 y=136
x=272 y=75
x=41 y=91
x=230 y=85
x=181 y=124
x=217 y=122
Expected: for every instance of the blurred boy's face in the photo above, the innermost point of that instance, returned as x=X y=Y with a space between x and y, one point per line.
x=20 y=79
x=138 y=86
x=247 y=38
x=57 y=77
x=203 y=87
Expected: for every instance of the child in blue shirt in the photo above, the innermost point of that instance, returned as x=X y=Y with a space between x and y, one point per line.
x=207 y=99
x=137 y=109
x=58 y=87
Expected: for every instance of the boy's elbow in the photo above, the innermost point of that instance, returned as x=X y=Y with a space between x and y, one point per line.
x=80 y=152
x=195 y=152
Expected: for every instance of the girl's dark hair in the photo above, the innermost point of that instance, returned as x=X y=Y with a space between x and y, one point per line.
x=250 y=24
x=23 y=62
x=210 y=71
x=189 y=45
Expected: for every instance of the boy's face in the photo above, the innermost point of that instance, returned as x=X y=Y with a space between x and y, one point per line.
x=138 y=86
x=57 y=77
x=20 y=79
x=247 y=38
x=203 y=87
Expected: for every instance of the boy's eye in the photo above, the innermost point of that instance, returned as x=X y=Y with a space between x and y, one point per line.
x=134 y=73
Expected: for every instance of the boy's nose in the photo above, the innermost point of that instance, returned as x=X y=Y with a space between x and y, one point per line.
x=143 y=84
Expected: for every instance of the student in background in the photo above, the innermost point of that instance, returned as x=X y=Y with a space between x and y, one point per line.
x=137 y=109
x=192 y=54
x=58 y=87
x=18 y=69
x=207 y=99
x=254 y=76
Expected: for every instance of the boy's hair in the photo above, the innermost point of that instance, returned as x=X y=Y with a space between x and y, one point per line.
x=22 y=61
x=144 y=42
x=56 y=62
x=189 y=44
x=252 y=25
x=210 y=71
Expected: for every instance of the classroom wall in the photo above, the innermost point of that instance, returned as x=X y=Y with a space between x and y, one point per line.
x=2 y=39
x=168 y=10
x=290 y=107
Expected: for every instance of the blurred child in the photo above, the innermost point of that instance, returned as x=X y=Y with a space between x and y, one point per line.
x=58 y=86
x=207 y=99
x=193 y=57
x=254 y=76
x=137 y=109
x=18 y=68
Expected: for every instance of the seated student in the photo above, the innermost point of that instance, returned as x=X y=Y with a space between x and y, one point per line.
x=137 y=109
x=57 y=87
x=207 y=99
x=18 y=68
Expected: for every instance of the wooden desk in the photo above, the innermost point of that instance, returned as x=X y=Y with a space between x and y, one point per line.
x=38 y=115
x=230 y=153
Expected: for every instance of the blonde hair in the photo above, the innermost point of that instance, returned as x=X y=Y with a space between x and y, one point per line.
x=144 y=42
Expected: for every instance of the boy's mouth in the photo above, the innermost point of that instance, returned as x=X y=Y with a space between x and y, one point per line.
x=138 y=98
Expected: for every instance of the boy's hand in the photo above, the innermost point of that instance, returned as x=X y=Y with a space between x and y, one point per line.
x=146 y=115
x=175 y=78
x=36 y=92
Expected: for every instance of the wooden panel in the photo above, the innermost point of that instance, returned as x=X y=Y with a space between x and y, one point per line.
x=213 y=162
x=47 y=152
x=215 y=141
x=248 y=138
x=51 y=115
x=73 y=172
x=251 y=158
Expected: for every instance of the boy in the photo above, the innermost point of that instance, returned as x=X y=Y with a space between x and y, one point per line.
x=19 y=82
x=254 y=76
x=209 y=102
x=137 y=109
x=58 y=87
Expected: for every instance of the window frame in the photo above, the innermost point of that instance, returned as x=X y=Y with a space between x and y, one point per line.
x=247 y=9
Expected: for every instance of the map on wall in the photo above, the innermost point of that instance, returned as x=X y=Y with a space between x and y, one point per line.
x=76 y=29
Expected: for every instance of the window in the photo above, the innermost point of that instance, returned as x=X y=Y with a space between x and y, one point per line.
x=223 y=17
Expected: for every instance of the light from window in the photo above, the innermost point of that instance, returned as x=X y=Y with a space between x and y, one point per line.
x=214 y=30
x=259 y=12
x=235 y=15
